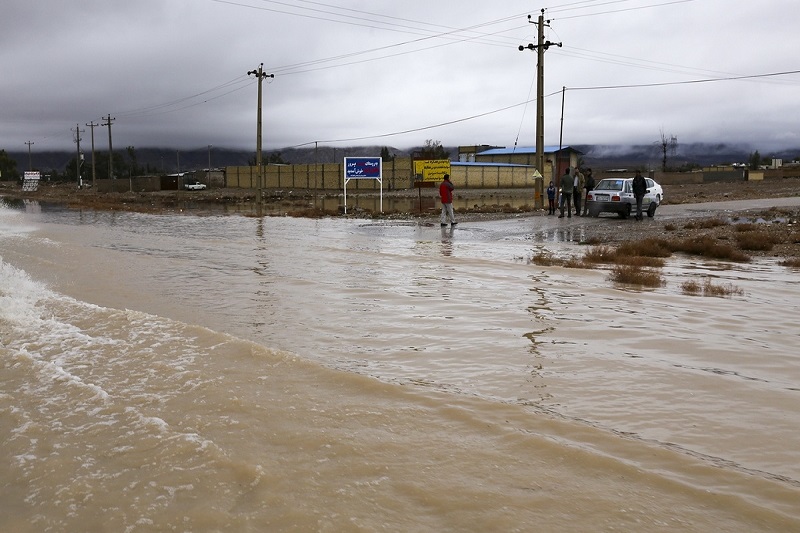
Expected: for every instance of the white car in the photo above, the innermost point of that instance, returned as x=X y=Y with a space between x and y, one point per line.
x=615 y=195
x=195 y=186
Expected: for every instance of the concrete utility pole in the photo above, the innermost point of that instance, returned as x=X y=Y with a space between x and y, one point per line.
x=92 y=125
x=540 y=48
x=208 y=176
x=78 y=132
x=260 y=75
x=30 y=161
x=109 y=120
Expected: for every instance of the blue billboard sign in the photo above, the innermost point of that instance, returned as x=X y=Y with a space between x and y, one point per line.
x=362 y=168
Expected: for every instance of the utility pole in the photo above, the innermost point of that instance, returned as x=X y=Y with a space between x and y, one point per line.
x=30 y=161
x=561 y=132
x=78 y=132
x=92 y=125
x=260 y=75
x=208 y=176
x=540 y=48
x=109 y=120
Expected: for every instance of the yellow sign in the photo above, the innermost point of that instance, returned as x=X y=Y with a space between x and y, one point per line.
x=432 y=169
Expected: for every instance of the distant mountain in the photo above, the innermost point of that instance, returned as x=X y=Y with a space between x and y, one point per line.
x=649 y=156
x=166 y=160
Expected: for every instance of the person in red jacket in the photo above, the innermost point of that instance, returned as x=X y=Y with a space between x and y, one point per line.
x=446 y=194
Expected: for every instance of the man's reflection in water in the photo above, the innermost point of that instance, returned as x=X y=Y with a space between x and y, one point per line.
x=447 y=240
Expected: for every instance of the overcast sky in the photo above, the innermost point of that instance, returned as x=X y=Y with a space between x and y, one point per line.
x=173 y=73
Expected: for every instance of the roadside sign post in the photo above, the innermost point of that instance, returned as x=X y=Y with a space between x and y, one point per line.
x=363 y=168
x=431 y=171
x=30 y=182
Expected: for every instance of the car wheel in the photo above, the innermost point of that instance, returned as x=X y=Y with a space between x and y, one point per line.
x=651 y=211
x=626 y=211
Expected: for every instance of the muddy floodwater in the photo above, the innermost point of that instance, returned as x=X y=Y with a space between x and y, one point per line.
x=232 y=373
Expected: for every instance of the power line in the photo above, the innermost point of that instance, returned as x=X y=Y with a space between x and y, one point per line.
x=526 y=102
x=687 y=82
x=613 y=11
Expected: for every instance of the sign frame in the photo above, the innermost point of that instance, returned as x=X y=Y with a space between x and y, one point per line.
x=361 y=168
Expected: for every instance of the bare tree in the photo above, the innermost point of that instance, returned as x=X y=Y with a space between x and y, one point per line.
x=668 y=146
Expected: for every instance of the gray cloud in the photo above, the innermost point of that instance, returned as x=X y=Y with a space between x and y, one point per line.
x=173 y=73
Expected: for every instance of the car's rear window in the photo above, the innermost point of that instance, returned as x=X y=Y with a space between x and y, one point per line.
x=610 y=185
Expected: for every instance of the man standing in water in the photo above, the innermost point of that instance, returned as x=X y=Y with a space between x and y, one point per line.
x=446 y=194
x=567 y=186
x=639 y=190
x=579 y=184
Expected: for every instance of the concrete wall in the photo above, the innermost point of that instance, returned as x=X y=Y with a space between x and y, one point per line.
x=320 y=176
x=397 y=175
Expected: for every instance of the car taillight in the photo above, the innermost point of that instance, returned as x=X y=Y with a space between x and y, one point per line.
x=615 y=198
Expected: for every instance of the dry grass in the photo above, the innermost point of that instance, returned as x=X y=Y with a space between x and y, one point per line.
x=600 y=254
x=646 y=248
x=706 y=246
x=594 y=241
x=707 y=288
x=634 y=275
x=754 y=240
x=793 y=262
x=542 y=259
x=746 y=226
x=707 y=223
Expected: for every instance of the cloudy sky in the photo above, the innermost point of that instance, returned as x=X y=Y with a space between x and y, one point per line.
x=173 y=73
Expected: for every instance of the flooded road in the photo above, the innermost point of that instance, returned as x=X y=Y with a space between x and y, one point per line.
x=242 y=374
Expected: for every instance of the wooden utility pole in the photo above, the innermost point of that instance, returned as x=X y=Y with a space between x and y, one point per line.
x=109 y=120
x=260 y=75
x=540 y=48
x=30 y=161
x=92 y=125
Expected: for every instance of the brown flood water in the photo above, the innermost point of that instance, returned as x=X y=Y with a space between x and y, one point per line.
x=240 y=374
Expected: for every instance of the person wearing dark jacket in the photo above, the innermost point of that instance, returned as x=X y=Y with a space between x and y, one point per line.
x=589 y=186
x=639 y=190
x=551 y=199
x=567 y=187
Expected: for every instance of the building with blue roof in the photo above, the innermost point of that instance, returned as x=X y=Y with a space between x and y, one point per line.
x=556 y=159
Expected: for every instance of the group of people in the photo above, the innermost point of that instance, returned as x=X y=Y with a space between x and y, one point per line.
x=573 y=188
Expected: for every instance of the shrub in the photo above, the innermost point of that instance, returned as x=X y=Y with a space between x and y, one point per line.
x=793 y=262
x=707 y=246
x=545 y=260
x=754 y=240
x=600 y=254
x=746 y=226
x=709 y=289
x=651 y=247
x=634 y=275
x=706 y=223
